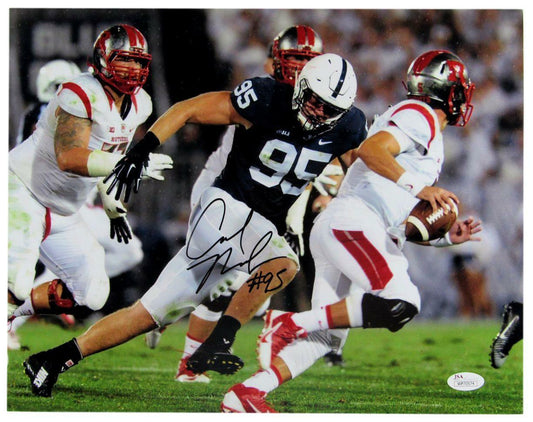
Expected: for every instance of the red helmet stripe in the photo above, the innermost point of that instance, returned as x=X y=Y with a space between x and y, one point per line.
x=310 y=36
x=425 y=59
x=136 y=38
x=424 y=111
x=300 y=30
x=78 y=90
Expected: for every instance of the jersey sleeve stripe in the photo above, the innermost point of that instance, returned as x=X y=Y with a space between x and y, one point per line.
x=422 y=110
x=78 y=90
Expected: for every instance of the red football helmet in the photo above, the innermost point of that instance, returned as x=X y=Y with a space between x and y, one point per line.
x=440 y=78
x=298 y=41
x=127 y=43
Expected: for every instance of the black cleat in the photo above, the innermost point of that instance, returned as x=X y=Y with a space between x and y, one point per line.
x=510 y=333
x=223 y=363
x=43 y=374
x=334 y=359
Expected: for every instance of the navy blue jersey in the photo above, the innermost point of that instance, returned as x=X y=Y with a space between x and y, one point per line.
x=271 y=163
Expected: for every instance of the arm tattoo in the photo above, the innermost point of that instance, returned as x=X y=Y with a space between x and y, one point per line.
x=71 y=132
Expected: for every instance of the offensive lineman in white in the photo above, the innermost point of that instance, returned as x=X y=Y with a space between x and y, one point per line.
x=119 y=257
x=83 y=133
x=361 y=273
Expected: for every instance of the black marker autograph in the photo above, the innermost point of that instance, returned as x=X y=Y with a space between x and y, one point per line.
x=266 y=279
x=224 y=257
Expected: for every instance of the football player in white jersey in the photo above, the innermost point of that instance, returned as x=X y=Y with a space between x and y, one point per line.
x=361 y=273
x=119 y=257
x=83 y=132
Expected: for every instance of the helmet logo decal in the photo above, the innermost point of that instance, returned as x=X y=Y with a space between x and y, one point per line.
x=456 y=71
x=341 y=79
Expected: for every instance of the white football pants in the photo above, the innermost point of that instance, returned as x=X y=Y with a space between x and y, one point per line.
x=69 y=250
x=353 y=255
x=224 y=238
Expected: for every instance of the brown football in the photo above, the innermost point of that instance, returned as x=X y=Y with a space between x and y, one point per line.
x=423 y=224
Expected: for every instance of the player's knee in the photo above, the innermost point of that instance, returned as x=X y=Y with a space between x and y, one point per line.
x=392 y=314
x=20 y=292
x=290 y=269
x=20 y=282
x=96 y=295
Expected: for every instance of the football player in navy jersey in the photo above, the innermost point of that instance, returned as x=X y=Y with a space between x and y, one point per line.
x=289 y=51
x=283 y=140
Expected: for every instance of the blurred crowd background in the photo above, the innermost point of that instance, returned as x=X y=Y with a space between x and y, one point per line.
x=195 y=51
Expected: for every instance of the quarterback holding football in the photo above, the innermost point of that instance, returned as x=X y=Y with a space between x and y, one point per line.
x=361 y=273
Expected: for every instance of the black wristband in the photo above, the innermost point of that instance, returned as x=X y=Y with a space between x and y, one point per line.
x=147 y=144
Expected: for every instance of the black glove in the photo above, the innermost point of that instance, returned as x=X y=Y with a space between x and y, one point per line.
x=128 y=171
x=120 y=227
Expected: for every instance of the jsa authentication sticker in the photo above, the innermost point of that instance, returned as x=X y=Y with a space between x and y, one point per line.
x=466 y=381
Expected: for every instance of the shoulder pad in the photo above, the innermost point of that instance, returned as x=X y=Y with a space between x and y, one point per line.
x=417 y=120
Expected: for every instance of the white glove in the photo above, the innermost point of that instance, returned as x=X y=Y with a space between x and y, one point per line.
x=323 y=179
x=295 y=221
x=156 y=164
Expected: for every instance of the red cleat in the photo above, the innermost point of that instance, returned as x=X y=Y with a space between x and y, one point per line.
x=241 y=399
x=279 y=331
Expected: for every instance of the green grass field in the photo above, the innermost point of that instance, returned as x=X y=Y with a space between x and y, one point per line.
x=402 y=373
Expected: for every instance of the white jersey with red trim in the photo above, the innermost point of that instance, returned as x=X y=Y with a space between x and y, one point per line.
x=415 y=126
x=34 y=161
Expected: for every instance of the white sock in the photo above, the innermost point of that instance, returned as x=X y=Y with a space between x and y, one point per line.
x=18 y=322
x=264 y=380
x=302 y=354
x=25 y=309
x=355 y=309
x=190 y=346
x=313 y=320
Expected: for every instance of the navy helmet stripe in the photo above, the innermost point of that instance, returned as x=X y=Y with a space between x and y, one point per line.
x=341 y=79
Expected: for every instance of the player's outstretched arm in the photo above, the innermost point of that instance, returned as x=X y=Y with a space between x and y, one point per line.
x=213 y=108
